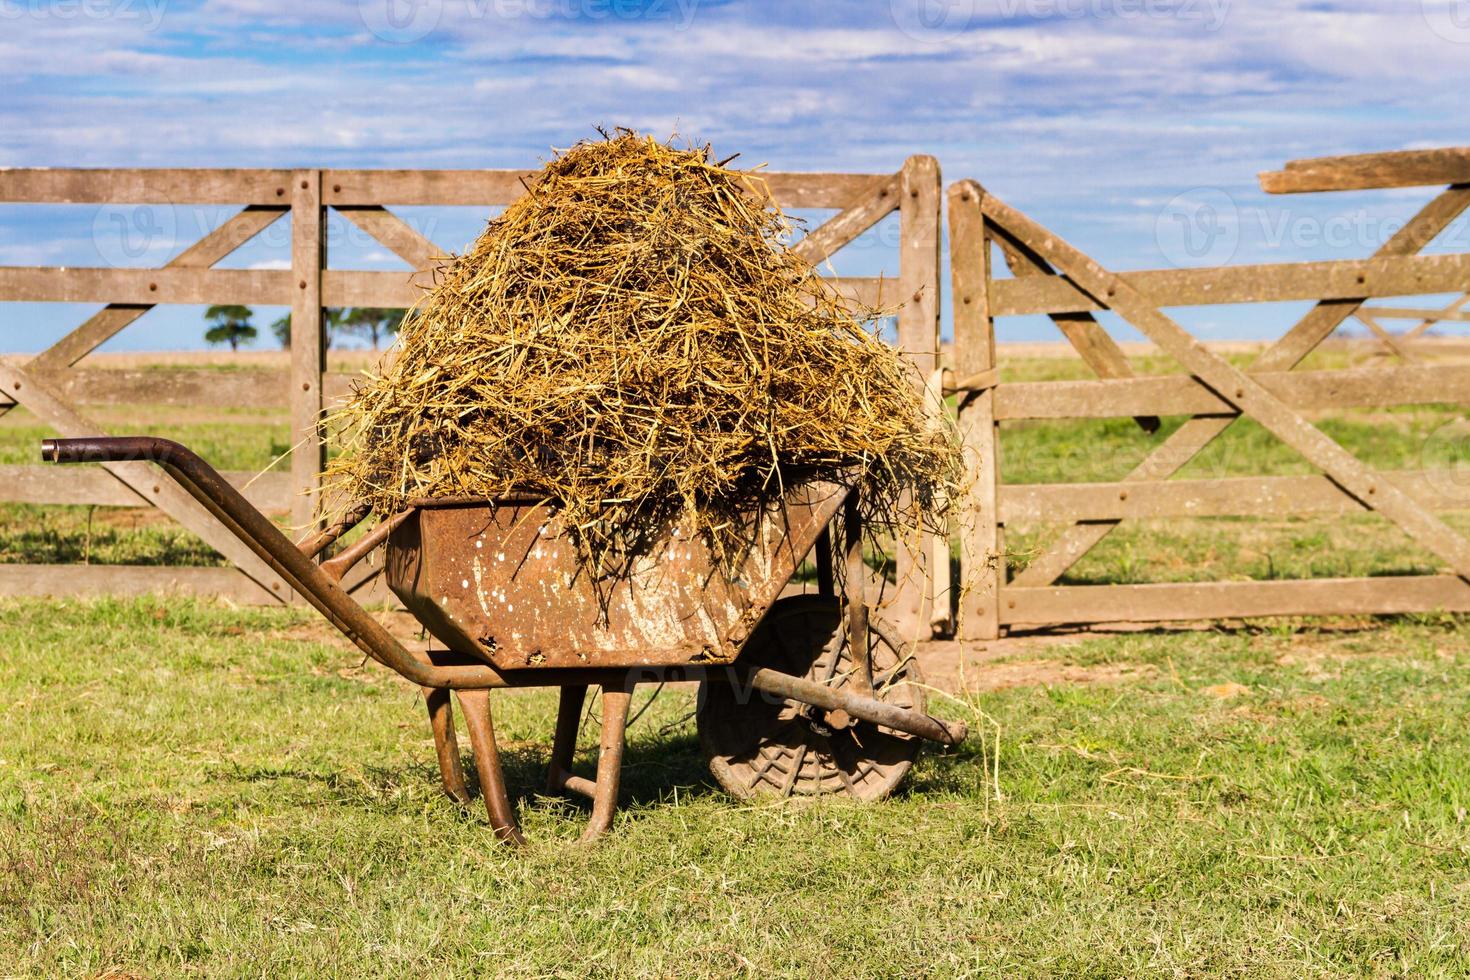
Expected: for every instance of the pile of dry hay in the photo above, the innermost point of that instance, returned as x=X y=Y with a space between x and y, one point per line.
x=633 y=341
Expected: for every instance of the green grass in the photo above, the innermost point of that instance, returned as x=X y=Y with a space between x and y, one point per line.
x=188 y=789
x=229 y=439
x=249 y=443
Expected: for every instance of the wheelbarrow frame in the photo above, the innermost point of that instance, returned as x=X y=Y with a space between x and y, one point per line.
x=438 y=672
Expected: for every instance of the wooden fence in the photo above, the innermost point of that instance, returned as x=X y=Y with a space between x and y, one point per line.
x=54 y=384
x=1051 y=277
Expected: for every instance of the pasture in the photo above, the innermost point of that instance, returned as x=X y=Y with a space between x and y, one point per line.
x=190 y=787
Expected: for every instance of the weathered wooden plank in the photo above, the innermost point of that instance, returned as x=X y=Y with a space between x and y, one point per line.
x=308 y=350
x=144 y=287
x=942 y=608
x=918 y=337
x=1369 y=171
x=471 y=188
x=1183 y=395
x=920 y=206
x=1193 y=436
x=41 y=484
x=131 y=580
x=396 y=234
x=400 y=290
x=1096 y=347
x=1168 y=395
x=1264 y=496
x=152 y=484
x=833 y=234
x=342 y=288
x=1406 y=275
x=45 y=185
x=173 y=387
x=1247 y=394
x=248 y=389
x=867 y=291
x=491 y=188
x=817 y=190
x=1174 y=602
x=981 y=564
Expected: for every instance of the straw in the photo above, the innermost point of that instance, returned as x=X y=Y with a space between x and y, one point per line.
x=633 y=341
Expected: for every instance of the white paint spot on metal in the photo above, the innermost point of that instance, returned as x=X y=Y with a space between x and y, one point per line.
x=480 y=586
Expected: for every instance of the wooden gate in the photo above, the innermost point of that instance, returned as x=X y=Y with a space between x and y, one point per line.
x=54 y=383
x=1050 y=276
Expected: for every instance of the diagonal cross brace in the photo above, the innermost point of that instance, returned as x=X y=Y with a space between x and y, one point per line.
x=203 y=254
x=848 y=224
x=394 y=233
x=1083 y=332
x=112 y=318
x=1197 y=433
x=1243 y=391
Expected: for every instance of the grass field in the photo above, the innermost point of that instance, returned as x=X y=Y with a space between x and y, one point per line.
x=188 y=788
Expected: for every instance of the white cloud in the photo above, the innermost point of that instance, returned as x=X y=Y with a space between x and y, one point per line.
x=1093 y=123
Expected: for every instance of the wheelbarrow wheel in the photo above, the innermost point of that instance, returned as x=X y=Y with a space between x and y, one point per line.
x=759 y=746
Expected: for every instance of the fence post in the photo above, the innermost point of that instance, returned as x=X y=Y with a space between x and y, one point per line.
x=308 y=259
x=918 y=336
x=982 y=563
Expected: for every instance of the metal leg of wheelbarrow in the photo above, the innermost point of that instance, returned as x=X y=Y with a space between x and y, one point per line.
x=446 y=746
x=476 y=705
x=603 y=791
x=564 y=742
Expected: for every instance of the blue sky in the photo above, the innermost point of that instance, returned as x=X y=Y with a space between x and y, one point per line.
x=1107 y=120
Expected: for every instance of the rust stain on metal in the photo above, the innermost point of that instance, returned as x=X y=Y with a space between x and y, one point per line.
x=502 y=583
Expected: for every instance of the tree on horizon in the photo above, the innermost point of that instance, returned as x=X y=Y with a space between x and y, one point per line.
x=229 y=324
x=374 y=321
x=331 y=322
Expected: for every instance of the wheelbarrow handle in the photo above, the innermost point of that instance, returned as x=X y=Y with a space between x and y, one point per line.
x=260 y=534
x=858 y=705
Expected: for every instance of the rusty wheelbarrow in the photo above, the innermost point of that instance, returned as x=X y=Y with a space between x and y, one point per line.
x=799 y=695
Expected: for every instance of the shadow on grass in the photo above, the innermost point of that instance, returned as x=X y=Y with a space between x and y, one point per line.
x=652 y=768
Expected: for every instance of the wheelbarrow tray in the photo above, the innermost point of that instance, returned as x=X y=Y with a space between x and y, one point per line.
x=501 y=581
